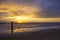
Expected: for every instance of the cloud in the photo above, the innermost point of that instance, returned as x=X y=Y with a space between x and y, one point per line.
x=25 y=2
x=3 y=15
x=51 y=8
x=47 y=8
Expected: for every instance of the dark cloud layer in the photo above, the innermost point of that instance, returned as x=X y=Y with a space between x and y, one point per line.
x=50 y=8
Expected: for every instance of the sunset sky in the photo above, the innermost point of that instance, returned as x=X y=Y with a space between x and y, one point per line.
x=30 y=10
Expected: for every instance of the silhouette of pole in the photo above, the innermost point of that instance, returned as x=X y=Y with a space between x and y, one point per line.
x=11 y=26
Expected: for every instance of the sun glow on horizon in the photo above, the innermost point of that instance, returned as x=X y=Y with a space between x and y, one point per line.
x=21 y=14
x=18 y=13
x=20 y=19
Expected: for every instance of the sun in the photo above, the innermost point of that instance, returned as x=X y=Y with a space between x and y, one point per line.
x=20 y=19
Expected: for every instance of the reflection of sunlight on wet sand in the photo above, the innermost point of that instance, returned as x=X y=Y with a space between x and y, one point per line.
x=34 y=29
x=24 y=29
x=17 y=30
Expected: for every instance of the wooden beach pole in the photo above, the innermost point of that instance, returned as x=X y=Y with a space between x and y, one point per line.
x=11 y=27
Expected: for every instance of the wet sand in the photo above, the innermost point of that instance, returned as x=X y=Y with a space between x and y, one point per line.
x=49 y=34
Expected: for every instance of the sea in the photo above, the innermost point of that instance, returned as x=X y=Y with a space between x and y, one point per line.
x=28 y=27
